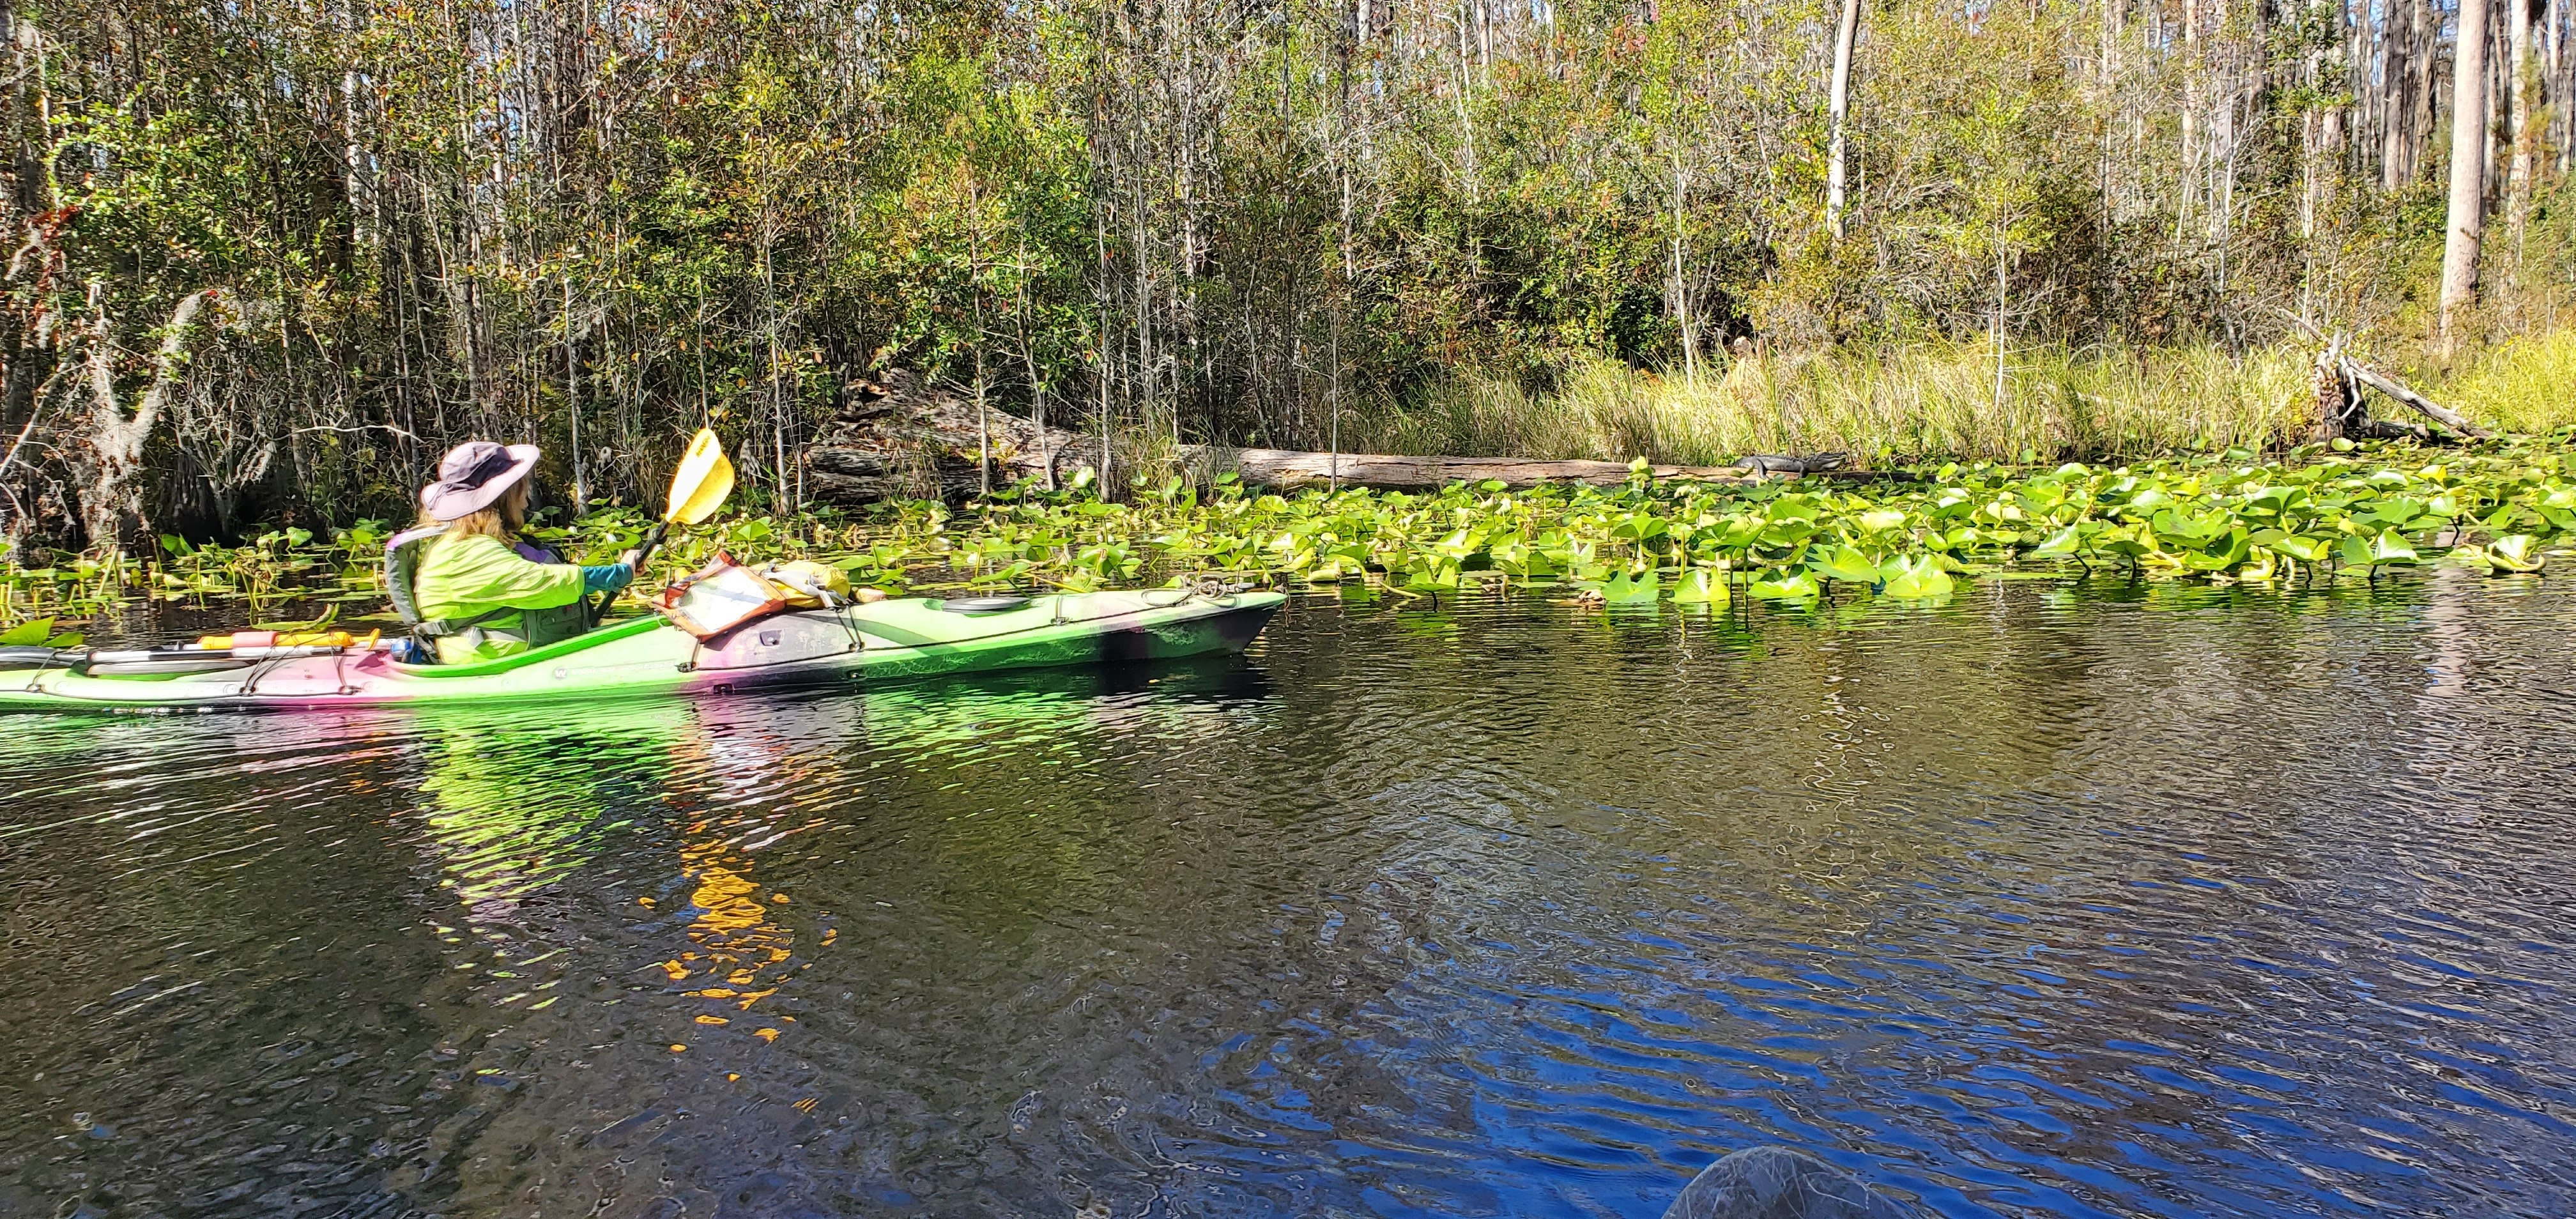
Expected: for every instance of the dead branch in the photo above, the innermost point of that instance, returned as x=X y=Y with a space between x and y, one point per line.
x=2431 y=410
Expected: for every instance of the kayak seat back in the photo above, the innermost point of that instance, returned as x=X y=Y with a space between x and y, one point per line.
x=402 y=562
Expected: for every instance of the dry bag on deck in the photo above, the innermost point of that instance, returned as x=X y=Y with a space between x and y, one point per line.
x=719 y=597
x=810 y=585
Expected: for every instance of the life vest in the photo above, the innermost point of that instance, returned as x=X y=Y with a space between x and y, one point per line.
x=532 y=627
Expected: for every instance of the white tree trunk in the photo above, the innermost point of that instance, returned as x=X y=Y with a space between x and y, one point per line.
x=1681 y=281
x=2523 y=73
x=2468 y=167
x=1846 y=37
x=111 y=501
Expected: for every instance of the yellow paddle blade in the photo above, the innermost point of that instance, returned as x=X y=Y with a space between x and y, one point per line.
x=702 y=482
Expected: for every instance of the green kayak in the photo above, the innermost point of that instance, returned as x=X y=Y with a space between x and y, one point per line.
x=897 y=638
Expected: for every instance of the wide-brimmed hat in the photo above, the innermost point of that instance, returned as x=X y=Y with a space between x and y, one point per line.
x=473 y=475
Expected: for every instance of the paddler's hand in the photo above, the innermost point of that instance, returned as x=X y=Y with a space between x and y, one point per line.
x=608 y=578
x=632 y=559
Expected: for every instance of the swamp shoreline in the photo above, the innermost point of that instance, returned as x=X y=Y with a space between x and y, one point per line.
x=2314 y=514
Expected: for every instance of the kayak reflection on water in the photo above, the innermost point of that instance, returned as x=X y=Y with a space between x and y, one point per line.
x=515 y=802
x=515 y=806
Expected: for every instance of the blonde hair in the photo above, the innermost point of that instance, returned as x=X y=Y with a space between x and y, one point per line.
x=502 y=518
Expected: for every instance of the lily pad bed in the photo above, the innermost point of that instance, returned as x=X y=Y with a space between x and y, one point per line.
x=2229 y=518
x=2313 y=515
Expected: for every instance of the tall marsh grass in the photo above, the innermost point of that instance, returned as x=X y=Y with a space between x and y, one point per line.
x=2520 y=385
x=1936 y=401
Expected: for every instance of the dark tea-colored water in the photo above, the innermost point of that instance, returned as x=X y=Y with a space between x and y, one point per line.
x=2049 y=901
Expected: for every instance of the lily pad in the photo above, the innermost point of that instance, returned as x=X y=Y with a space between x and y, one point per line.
x=1793 y=586
x=2060 y=544
x=2513 y=553
x=1624 y=589
x=1917 y=578
x=1842 y=563
x=2390 y=547
x=1701 y=586
x=2304 y=549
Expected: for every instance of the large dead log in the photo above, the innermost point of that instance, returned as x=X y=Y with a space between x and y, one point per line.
x=899 y=440
x=1293 y=468
x=2339 y=381
x=2338 y=400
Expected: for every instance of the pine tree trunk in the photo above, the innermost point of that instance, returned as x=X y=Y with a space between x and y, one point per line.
x=2468 y=170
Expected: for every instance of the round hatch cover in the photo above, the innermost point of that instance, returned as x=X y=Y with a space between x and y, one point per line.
x=982 y=605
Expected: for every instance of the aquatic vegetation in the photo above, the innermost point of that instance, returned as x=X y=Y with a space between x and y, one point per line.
x=38 y=632
x=2319 y=514
x=2227 y=518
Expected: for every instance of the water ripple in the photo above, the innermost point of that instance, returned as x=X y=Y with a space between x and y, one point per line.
x=2046 y=902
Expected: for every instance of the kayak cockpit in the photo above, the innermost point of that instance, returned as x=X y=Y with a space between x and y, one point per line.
x=605 y=634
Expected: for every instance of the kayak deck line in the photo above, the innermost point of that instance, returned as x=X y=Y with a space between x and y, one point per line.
x=880 y=631
x=884 y=640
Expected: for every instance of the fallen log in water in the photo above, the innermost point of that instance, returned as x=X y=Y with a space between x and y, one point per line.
x=894 y=441
x=2340 y=412
x=1296 y=468
x=2434 y=411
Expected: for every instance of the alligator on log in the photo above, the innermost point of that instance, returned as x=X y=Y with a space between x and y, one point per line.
x=896 y=439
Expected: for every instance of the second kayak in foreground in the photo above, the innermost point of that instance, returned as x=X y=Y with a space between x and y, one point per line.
x=901 y=637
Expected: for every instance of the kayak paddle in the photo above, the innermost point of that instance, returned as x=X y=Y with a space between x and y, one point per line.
x=698 y=488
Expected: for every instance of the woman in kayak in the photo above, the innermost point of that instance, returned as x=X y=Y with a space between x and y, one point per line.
x=472 y=587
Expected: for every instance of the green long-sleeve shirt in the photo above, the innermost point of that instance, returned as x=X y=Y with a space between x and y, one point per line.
x=465 y=575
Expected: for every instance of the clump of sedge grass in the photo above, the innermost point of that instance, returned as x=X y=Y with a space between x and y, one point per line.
x=1937 y=401
x=2525 y=384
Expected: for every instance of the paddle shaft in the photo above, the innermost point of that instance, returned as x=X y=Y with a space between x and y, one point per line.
x=643 y=555
x=652 y=542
